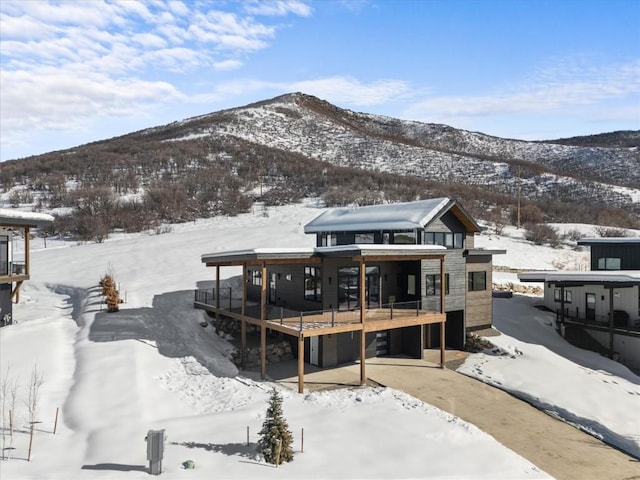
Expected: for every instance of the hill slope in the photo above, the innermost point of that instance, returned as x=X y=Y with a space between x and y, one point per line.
x=296 y=144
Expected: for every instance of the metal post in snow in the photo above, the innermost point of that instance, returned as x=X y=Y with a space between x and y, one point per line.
x=281 y=315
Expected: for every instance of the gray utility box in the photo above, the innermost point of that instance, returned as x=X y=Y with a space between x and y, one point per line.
x=155 y=450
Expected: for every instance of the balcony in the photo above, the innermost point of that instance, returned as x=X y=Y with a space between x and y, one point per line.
x=380 y=317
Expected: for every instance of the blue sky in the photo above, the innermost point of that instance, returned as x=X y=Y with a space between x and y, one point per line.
x=74 y=71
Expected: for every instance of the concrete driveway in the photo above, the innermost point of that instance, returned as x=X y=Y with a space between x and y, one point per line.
x=554 y=446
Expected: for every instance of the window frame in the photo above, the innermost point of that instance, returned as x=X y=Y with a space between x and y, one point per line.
x=313 y=275
x=474 y=285
x=435 y=278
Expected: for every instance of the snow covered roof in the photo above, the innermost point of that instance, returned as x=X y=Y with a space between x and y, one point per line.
x=11 y=217
x=267 y=254
x=630 y=277
x=257 y=254
x=607 y=240
x=390 y=216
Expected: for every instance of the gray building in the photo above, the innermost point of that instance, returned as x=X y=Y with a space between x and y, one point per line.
x=382 y=280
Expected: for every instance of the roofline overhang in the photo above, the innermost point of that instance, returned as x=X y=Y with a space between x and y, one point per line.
x=481 y=251
x=377 y=252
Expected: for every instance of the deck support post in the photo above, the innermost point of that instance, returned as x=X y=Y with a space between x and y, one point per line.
x=301 y=363
x=217 y=293
x=263 y=321
x=363 y=334
x=243 y=322
x=443 y=285
x=611 y=349
x=27 y=261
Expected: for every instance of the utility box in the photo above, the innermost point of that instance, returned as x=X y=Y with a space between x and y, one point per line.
x=155 y=450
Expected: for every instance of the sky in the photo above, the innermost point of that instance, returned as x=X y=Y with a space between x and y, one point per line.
x=78 y=71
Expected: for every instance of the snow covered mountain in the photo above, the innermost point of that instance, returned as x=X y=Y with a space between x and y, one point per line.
x=299 y=144
x=319 y=130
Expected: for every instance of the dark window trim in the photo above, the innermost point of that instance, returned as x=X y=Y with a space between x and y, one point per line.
x=312 y=279
x=477 y=281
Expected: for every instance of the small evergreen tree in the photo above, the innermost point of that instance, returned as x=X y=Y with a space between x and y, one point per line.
x=275 y=437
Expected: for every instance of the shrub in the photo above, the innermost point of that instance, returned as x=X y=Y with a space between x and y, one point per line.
x=540 y=233
x=610 y=232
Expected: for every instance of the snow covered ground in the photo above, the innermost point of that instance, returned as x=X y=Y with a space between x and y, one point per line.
x=115 y=376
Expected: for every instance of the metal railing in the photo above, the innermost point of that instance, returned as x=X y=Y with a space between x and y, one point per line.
x=313 y=318
x=12 y=268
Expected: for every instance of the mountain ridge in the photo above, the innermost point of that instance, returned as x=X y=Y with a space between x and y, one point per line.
x=297 y=144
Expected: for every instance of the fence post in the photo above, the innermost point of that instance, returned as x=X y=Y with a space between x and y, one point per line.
x=333 y=320
x=300 y=321
x=55 y=424
x=229 y=298
x=392 y=311
x=281 y=315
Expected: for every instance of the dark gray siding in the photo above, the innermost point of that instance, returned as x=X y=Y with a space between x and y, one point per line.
x=5 y=303
x=629 y=255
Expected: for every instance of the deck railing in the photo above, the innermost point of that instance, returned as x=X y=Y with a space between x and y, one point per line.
x=12 y=268
x=312 y=318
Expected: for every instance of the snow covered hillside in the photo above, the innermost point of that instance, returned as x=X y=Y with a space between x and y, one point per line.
x=152 y=366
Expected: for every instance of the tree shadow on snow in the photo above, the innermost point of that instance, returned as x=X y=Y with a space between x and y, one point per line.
x=118 y=467
x=230 y=449
x=173 y=324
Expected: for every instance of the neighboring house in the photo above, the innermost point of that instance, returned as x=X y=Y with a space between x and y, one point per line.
x=605 y=301
x=15 y=224
x=371 y=286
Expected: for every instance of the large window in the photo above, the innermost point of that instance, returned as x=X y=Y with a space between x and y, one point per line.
x=477 y=281
x=405 y=237
x=433 y=285
x=361 y=238
x=312 y=284
x=446 y=239
x=608 y=264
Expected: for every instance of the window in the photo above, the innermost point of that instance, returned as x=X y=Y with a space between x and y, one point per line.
x=361 y=238
x=255 y=277
x=608 y=264
x=4 y=255
x=404 y=237
x=458 y=240
x=312 y=284
x=567 y=296
x=449 y=240
x=328 y=239
x=433 y=285
x=477 y=281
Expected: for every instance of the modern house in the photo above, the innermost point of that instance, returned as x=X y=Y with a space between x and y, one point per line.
x=604 y=302
x=13 y=225
x=382 y=280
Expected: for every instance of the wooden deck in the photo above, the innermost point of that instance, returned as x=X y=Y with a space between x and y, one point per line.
x=326 y=322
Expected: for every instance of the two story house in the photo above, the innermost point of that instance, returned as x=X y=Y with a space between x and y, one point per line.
x=15 y=224
x=604 y=301
x=381 y=280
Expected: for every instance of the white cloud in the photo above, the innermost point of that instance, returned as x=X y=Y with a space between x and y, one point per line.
x=278 y=8
x=347 y=90
x=227 y=65
x=551 y=90
x=64 y=63
x=49 y=99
